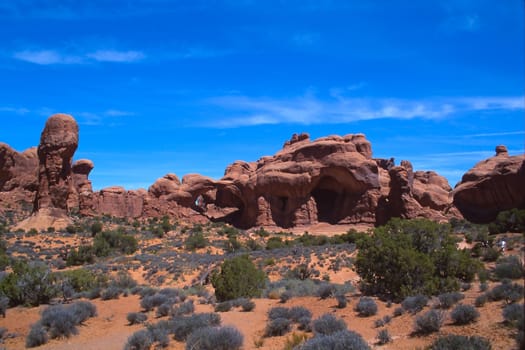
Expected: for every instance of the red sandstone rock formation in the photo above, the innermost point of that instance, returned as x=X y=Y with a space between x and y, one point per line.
x=492 y=185
x=332 y=179
x=18 y=179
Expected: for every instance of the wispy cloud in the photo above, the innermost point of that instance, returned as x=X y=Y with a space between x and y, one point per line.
x=116 y=56
x=249 y=111
x=15 y=110
x=46 y=57
x=53 y=57
x=497 y=134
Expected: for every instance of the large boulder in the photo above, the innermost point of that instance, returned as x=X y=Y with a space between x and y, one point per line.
x=491 y=186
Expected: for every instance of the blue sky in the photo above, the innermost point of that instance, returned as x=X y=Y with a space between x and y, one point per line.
x=162 y=86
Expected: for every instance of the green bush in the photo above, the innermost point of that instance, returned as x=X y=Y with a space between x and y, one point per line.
x=85 y=254
x=196 y=241
x=107 y=241
x=83 y=280
x=407 y=257
x=238 y=277
x=508 y=221
x=95 y=228
x=275 y=243
x=29 y=284
x=509 y=267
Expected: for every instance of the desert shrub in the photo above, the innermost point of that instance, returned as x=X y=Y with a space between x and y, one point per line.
x=59 y=321
x=277 y=327
x=328 y=324
x=343 y=339
x=163 y=310
x=483 y=286
x=225 y=306
x=407 y=257
x=513 y=315
x=506 y=290
x=341 y=301
x=300 y=272
x=366 y=307
x=195 y=241
x=512 y=220
x=464 y=314
x=238 y=277
x=275 y=243
x=183 y=326
x=37 y=336
x=82 y=310
x=481 y=300
x=140 y=340
x=29 y=284
x=414 y=304
x=285 y=296
x=85 y=254
x=429 y=322
x=4 y=304
x=136 y=317
x=95 y=228
x=460 y=342
x=215 y=338
x=297 y=313
x=278 y=312
x=107 y=241
x=110 y=293
x=509 y=267
x=247 y=305
x=383 y=337
x=294 y=340
x=326 y=291
x=490 y=254
x=447 y=300
x=82 y=280
x=150 y=302
x=123 y=280
x=185 y=308
x=398 y=311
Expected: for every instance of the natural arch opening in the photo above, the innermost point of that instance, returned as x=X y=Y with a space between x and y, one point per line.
x=329 y=197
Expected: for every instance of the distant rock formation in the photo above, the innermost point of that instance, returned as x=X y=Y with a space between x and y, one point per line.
x=332 y=179
x=18 y=179
x=492 y=185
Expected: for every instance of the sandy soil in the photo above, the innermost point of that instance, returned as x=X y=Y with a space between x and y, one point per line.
x=110 y=330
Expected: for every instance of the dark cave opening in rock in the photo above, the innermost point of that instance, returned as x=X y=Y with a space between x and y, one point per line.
x=328 y=195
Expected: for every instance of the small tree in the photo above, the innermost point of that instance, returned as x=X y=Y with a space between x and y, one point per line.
x=238 y=277
x=96 y=227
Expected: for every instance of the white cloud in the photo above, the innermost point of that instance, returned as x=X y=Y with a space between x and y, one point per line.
x=339 y=109
x=497 y=134
x=49 y=57
x=116 y=56
x=117 y=113
x=46 y=57
x=19 y=110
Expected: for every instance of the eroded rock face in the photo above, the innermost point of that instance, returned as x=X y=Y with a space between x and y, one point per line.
x=18 y=178
x=58 y=143
x=332 y=179
x=491 y=186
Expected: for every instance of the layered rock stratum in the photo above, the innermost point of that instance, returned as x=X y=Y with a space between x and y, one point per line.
x=332 y=179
